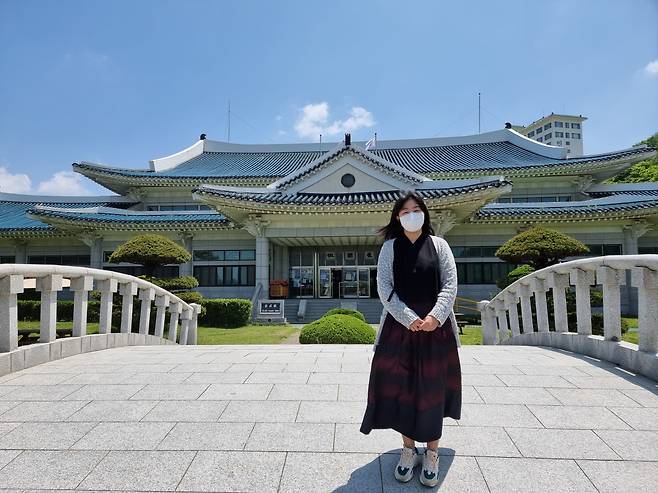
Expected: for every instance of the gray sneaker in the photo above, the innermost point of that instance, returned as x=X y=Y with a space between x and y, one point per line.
x=409 y=458
x=429 y=474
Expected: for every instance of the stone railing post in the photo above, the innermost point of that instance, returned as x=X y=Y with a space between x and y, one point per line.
x=49 y=286
x=539 y=288
x=186 y=317
x=194 y=324
x=107 y=288
x=146 y=296
x=611 y=280
x=161 y=304
x=582 y=280
x=10 y=286
x=558 y=283
x=501 y=315
x=526 y=308
x=489 y=327
x=81 y=287
x=175 y=309
x=646 y=282
x=511 y=301
x=127 y=290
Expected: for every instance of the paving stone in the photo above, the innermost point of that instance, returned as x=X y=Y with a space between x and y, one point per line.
x=591 y=397
x=7 y=427
x=523 y=475
x=104 y=392
x=39 y=379
x=356 y=392
x=551 y=370
x=237 y=391
x=161 y=392
x=38 y=392
x=277 y=377
x=516 y=395
x=217 y=377
x=186 y=411
x=308 y=392
x=350 y=439
x=98 y=378
x=470 y=395
x=207 y=436
x=124 y=436
x=536 y=381
x=263 y=411
x=306 y=472
x=605 y=382
x=138 y=470
x=292 y=437
x=339 y=377
x=560 y=444
x=621 y=476
x=498 y=415
x=640 y=418
x=490 y=369
x=632 y=444
x=234 y=471
x=112 y=411
x=41 y=436
x=331 y=412
x=642 y=396
x=168 y=378
x=578 y=417
x=476 y=440
x=57 y=469
x=42 y=411
x=6 y=456
x=482 y=379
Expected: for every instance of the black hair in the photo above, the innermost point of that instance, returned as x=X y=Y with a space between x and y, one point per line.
x=394 y=229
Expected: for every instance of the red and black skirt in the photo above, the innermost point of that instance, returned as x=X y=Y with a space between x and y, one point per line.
x=415 y=379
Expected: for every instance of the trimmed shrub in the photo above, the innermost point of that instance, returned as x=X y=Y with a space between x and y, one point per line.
x=190 y=297
x=337 y=329
x=346 y=311
x=225 y=312
x=173 y=284
x=540 y=247
x=514 y=275
x=151 y=251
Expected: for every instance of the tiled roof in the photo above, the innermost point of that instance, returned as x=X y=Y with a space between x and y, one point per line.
x=268 y=196
x=613 y=205
x=125 y=218
x=13 y=213
x=445 y=159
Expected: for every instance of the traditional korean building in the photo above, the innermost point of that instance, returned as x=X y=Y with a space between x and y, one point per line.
x=307 y=213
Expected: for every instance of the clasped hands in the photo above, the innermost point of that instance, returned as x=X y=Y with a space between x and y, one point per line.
x=428 y=324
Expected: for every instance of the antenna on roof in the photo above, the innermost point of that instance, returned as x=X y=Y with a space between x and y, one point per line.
x=320 y=142
x=228 y=130
x=479 y=112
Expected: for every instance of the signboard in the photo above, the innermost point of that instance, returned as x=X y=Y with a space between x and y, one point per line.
x=270 y=307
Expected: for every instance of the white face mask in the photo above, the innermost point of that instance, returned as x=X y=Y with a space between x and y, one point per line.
x=413 y=221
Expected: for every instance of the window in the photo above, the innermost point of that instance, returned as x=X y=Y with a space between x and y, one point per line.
x=548 y=136
x=559 y=134
x=474 y=251
x=559 y=124
x=604 y=249
x=222 y=255
x=539 y=139
x=647 y=249
x=178 y=207
x=225 y=275
x=575 y=125
x=568 y=151
x=165 y=271
x=559 y=142
x=83 y=260
x=539 y=130
x=575 y=136
x=482 y=272
x=547 y=126
x=566 y=134
x=7 y=259
x=531 y=134
x=547 y=143
x=568 y=143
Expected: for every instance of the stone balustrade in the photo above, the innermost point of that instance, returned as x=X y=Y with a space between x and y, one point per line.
x=500 y=315
x=50 y=280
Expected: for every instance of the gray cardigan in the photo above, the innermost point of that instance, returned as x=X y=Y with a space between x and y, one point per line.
x=397 y=308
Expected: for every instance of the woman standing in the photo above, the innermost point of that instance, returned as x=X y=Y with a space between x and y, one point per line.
x=415 y=377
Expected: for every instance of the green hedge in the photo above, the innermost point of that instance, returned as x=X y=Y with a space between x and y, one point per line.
x=337 y=329
x=174 y=283
x=225 y=312
x=346 y=311
x=30 y=311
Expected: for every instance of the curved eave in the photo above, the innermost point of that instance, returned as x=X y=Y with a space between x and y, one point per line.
x=341 y=203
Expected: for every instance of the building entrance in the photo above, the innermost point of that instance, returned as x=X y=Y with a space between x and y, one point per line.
x=345 y=282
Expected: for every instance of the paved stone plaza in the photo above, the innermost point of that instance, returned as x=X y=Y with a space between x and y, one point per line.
x=286 y=418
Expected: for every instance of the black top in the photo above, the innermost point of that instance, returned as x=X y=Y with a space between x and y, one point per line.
x=415 y=268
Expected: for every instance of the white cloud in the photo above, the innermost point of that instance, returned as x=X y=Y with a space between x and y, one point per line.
x=314 y=120
x=61 y=183
x=652 y=68
x=14 y=183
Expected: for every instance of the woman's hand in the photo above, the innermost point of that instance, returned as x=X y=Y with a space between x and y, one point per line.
x=416 y=324
x=429 y=323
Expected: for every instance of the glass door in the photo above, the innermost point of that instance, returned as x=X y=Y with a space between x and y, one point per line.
x=301 y=282
x=349 y=284
x=325 y=283
x=364 y=282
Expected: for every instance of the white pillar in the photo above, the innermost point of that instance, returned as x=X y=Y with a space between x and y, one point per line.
x=583 y=279
x=81 y=287
x=526 y=308
x=194 y=324
x=21 y=252
x=107 y=288
x=263 y=264
x=161 y=303
x=127 y=290
x=646 y=281
x=95 y=243
x=175 y=309
x=611 y=280
x=511 y=302
x=539 y=288
x=49 y=286
x=501 y=314
x=10 y=286
x=187 y=269
x=558 y=283
x=186 y=317
x=488 y=321
x=146 y=295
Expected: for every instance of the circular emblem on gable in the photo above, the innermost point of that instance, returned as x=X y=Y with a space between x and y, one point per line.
x=347 y=180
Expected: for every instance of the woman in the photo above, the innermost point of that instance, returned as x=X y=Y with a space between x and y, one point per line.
x=415 y=377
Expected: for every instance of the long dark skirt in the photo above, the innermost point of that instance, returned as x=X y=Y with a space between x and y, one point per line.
x=415 y=379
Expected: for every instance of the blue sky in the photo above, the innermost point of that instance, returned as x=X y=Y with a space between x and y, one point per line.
x=122 y=82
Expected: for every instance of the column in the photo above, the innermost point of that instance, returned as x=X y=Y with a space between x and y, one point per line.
x=187 y=269
x=146 y=296
x=161 y=303
x=632 y=233
x=107 y=288
x=10 y=286
x=511 y=301
x=558 y=283
x=256 y=226
x=81 y=287
x=583 y=279
x=95 y=243
x=526 y=308
x=21 y=252
x=49 y=286
x=611 y=280
x=646 y=281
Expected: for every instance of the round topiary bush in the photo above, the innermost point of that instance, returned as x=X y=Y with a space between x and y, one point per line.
x=346 y=311
x=337 y=329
